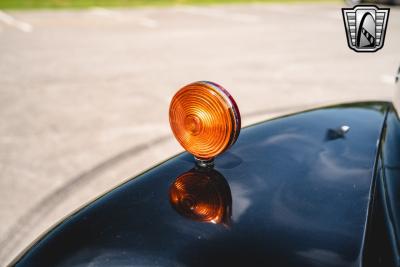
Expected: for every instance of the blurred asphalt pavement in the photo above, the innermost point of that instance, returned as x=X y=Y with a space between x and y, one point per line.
x=84 y=94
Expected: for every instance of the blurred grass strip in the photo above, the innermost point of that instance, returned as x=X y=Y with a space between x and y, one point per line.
x=38 y=4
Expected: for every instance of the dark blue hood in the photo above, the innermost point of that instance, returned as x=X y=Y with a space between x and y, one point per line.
x=296 y=193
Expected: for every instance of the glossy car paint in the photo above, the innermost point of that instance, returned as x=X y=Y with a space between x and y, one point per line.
x=300 y=197
x=388 y=192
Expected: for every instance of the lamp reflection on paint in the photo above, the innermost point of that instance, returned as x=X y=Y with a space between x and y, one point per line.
x=202 y=195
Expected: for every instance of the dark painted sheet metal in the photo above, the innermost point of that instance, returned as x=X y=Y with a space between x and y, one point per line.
x=390 y=182
x=299 y=197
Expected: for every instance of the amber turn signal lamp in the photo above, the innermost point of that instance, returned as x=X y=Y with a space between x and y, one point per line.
x=204 y=119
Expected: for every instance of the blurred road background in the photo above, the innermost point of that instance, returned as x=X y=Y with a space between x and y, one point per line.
x=84 y=94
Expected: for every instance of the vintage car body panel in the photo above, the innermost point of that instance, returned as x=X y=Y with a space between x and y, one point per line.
x=300 y=197
x=385 y=226
x=390 y=179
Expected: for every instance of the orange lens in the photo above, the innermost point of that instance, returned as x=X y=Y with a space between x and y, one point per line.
x=204 y=119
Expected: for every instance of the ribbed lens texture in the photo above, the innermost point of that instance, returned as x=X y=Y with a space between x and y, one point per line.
x=197 y=197
x=201 y=120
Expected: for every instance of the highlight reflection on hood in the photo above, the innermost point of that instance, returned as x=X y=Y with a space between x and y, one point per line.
x=202 y=195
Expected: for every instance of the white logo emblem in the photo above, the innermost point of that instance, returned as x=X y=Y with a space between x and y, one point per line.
x=365 y=27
